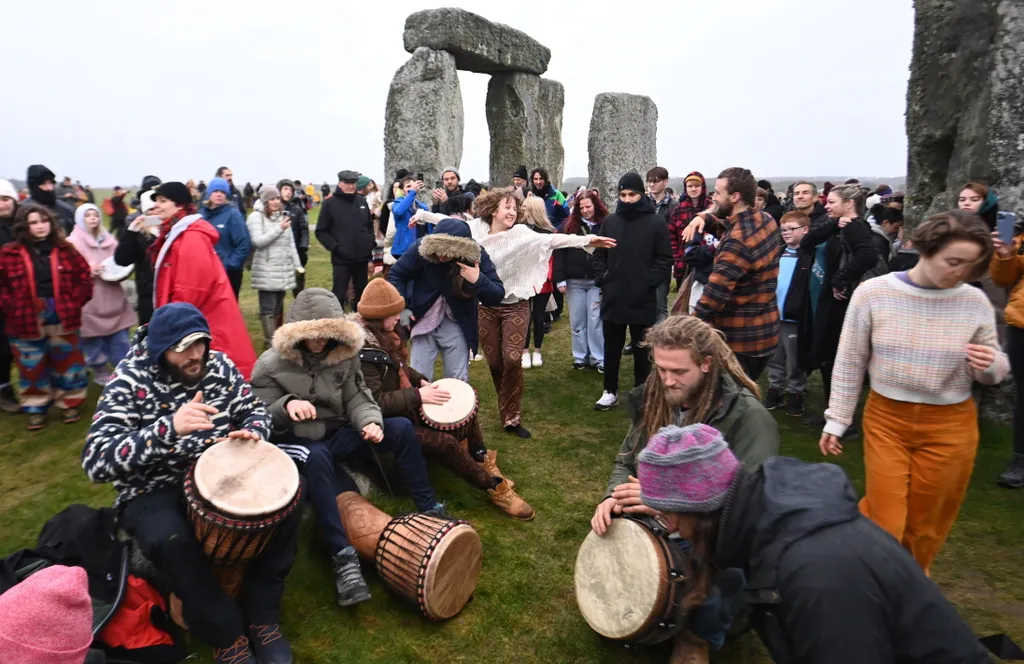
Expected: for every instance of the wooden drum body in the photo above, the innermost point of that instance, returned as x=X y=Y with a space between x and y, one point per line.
x=455 y=417
x=631 y=582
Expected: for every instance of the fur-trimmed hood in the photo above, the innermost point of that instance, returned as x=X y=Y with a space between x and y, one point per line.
x=317 y=314
x=451 y=239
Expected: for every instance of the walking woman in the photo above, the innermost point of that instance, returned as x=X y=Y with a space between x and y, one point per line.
x=920 y=422
x=401 y=390
x=44 y=283
x=107 y=317
x=1007 y=271
x=536 y=218
x=275 y=260
x=574 y=275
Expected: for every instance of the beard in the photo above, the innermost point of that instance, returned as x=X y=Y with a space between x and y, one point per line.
x=682 y=396
x=725 y=209
x=186 y=374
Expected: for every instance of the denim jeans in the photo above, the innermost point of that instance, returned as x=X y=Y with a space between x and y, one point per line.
x=449 y=340
x=103 y=352
x=585 y=318
x=662 y=296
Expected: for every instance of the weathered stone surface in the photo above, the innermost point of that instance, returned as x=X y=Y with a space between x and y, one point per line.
x=623 y=138
x=524 y=115
x=477 y=44
x=424 y=123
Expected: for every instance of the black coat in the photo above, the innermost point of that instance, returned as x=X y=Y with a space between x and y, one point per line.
x=575 y=263
x=345 y=229
x=825 y=584
x=300 y=225
x=827 y=323
x=629 y=274
x=132 y=249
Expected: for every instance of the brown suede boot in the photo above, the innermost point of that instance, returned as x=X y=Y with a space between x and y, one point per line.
x=491 y=464
x=510 y=503
x=689 y=649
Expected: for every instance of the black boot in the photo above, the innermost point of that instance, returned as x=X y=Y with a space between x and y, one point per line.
x=1013 y=477
x=348 y=578
x=9 y=400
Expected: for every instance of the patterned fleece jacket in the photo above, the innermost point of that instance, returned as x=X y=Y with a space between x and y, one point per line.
x=132 y=442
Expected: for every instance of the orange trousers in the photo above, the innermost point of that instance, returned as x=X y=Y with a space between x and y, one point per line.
x=918 y=461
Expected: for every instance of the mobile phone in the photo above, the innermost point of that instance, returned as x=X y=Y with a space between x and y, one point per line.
x=1004 y=224
x=438 y=184
x=419 y=177
x=149 y=221
x=462 y=262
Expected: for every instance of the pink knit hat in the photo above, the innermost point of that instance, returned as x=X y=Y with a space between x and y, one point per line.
x=47 y=618
x=686 y=469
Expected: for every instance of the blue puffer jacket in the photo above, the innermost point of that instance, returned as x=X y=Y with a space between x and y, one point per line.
x=402 y=212
x=233 y=246
x=421 y=276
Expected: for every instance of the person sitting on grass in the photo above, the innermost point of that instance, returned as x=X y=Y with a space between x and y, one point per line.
x=324 y=414
x=697 y=381
x=166 y=403
x=824 y=583
x=44 y=283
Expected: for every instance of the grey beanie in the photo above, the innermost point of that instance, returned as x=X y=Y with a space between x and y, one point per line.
x=451 y=170
x=267 y=192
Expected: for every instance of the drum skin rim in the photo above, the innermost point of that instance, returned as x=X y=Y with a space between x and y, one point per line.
x=290 y=478
x=434 y=609
x=458 y=424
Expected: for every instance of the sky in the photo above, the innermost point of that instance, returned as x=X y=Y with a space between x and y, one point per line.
x=298 y=89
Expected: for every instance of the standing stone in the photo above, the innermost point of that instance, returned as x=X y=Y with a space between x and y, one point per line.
x=524 y=115
x=424 y=122
x=477 y=44
x=623 y=137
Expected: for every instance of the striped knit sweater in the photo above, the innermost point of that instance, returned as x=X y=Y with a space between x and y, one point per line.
x=913 y=344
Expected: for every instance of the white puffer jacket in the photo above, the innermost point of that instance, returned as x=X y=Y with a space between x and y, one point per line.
x=274 y=259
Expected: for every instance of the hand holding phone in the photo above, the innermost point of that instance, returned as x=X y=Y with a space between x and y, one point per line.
x=1004 y=226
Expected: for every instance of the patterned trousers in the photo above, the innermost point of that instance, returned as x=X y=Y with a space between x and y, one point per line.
x=502 y=335
x=455 y=455
x=52 y=370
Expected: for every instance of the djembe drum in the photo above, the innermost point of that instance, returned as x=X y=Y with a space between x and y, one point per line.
x=431 y=562
x=632 y=581
x=456 y=416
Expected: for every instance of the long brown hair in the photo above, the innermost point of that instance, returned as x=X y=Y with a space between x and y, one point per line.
x=703 y=342
x=573 y=225
x=20 y=227
x=391 y=342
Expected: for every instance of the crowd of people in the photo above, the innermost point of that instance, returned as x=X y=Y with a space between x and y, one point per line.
x=827 y=281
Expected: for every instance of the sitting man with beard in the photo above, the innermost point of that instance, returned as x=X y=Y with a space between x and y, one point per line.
x=168 y=401
x=697 y=381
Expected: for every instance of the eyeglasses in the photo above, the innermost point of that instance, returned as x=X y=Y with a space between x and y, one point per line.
x=790 y=229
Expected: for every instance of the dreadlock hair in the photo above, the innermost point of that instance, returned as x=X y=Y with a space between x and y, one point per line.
x=703 y=342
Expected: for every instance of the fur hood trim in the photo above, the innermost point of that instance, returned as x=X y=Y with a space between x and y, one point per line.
x=349 y=336
x=441 y=245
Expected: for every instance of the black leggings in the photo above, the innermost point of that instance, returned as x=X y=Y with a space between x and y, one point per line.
x=538 y=317
x=1015 y=351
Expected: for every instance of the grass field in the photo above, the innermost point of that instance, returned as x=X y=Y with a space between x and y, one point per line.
x=524 y=610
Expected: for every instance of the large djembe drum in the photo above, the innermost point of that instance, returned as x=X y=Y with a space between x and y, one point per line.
x=455 y=416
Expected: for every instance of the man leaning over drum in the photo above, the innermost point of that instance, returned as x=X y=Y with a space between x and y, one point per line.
x=166 y=403
x=697 y=380
x=323 y=414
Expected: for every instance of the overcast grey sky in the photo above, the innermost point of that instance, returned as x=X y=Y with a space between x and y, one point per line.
x=298 y=88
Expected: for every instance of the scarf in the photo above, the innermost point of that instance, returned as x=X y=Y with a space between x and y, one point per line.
x=541 y=193
x=165 y=229
x=631 y=210
x=43 y=197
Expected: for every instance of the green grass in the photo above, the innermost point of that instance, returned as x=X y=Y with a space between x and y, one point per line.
x=524 y=608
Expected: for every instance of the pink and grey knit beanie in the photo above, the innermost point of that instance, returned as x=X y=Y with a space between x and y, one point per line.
x=47 y=618
x=686 y=469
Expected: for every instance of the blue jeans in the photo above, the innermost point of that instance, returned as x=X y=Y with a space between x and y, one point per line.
x=450 y=342
x=585 y=318
x=103 y=353
x=324 y=480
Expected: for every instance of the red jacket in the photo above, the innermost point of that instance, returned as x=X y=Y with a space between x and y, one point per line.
x=72 y=288
x=191 y=272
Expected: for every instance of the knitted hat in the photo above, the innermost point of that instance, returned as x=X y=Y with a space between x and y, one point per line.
x=7 y=190
x=694 y=178
x=686 y=469
x=146 y=202
x=175 y=192
x=218 y=184
x=268 y=192
x=47 y=618
x=380 y=299
x=38 y=174
x=632 y=181
x=363 y=181
x=452 y=170
x=521 y=173
x=149 y=182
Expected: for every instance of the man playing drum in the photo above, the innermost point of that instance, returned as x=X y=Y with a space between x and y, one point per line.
x=323 y=414
x=697 y=380
x=167 y=402
x=824 y=583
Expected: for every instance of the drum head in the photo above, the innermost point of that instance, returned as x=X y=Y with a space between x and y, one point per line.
x=620 y=579
x=459 y=407
x=246 y=478
x=114 y=272
x=452 y=572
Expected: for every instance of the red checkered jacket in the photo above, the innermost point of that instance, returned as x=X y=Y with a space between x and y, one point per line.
x=72 y=288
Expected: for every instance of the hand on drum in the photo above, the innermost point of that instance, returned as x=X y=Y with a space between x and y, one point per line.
x=373 y=433
x=193 y=416
x=603 y=516
x=300 y=410
x=627 y=496
x=241 y=435
x=432 y=395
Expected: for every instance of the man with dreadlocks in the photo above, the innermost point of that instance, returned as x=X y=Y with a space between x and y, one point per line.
x=697 y=381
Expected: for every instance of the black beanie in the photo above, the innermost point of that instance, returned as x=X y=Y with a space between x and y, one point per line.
x=400 y=173
x=149 y=182
x=521 y=173
x=175 y=192
x=632 y=181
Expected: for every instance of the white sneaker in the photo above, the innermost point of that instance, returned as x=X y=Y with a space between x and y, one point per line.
x=526 y=360
x=607 y=401
x=478 y=357
x=538 y=361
